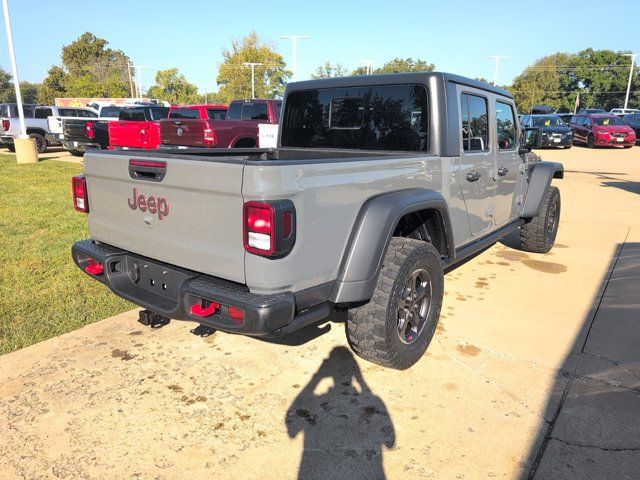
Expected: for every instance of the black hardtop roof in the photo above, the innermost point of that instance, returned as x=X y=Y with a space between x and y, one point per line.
x=393 y=78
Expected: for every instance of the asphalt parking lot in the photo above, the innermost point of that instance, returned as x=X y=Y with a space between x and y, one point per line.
x=534 y=370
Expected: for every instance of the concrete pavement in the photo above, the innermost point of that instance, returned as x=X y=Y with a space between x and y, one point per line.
x=532 y=372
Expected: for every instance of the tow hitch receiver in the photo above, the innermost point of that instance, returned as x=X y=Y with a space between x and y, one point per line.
x=151 y=319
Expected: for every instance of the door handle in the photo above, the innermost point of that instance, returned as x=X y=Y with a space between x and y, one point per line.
x=473 y=176
x=502 y=171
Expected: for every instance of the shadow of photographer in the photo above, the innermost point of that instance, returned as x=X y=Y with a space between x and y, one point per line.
x=345 y=425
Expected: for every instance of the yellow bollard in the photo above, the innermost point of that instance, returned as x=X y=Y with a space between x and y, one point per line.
x=26 y=150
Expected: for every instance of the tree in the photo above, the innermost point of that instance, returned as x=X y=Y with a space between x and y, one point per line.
x=28 y=90
x=329 y=70
x=6 y=86
x=599 y=76
x=53 y=86
x=173 y=87
x=89 y=69
x=234 y=78
x=399 y=65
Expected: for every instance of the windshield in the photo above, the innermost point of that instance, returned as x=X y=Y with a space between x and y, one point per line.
x=635 y=118
x=607 y=121
x=548 y=121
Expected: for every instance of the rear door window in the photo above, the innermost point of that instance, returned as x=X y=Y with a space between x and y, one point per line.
x=67 y=112
x=259 y=112
x=235 y=111
x=110 y=111
x=43 y=112
x=86 y=114
x=247 y=111
x=380 y=117
x=475 y=132
x=216 y=113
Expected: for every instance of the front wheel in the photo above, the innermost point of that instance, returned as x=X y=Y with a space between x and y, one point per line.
x=539 y=234
x=591 y=141
x=41 y=142
x=76 y=153
x=395 y=328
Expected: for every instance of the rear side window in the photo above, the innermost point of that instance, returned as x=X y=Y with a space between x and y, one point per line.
x=259 y=112
x=475 y=132
x=235 y=111
x=384 y=117
x=43 y=112
x=184 y=113
x=132 y=115
x=505 y=126
x=110 y=111
x=159 y=113
x=67 y=112
x=86 y=114
x=216 y=113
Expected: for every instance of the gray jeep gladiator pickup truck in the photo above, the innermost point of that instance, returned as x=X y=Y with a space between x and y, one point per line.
x=380 y=184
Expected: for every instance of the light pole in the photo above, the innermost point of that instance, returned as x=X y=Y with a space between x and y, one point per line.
x=138 y=69
x=26 y=151
x=368 y=65
x=253 y=65
x=633 y=59
x=294 y=41
x=497 y=58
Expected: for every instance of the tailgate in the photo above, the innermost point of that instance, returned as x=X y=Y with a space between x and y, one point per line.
x=191 y=217
x=74 y=129
x=187 y=132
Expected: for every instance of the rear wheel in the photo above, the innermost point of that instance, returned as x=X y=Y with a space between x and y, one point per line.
x=11 y=147
x=539 y=234
x=395 y=328
x=41 y=142
x=76 y=153
x=591 y=141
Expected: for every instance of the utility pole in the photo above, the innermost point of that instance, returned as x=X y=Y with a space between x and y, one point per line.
x=253 y=65
x=369 y=66
x=294 y=41
x=130 y=80
x=497 y=59
x=138 y=69
x=633 y=59
x=26 y=151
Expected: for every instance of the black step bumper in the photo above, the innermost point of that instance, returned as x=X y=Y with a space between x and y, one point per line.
x=172 y=291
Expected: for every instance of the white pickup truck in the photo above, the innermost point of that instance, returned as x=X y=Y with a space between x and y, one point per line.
x=55 y=121
x=36 y=123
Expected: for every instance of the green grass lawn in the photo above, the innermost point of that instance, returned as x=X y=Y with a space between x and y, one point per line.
x=42 y=292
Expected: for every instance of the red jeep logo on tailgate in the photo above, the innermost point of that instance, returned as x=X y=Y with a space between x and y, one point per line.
x=154 y=205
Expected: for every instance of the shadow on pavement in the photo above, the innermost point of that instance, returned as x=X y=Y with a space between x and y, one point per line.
x=592 y=418
x=345 y=425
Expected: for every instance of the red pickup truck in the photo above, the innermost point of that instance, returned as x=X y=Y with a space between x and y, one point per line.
x=194 y=126
x=137 y=128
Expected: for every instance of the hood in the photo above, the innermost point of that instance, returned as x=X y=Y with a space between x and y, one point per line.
x=613 y=128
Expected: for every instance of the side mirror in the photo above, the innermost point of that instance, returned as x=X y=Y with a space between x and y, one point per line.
x=531 y=138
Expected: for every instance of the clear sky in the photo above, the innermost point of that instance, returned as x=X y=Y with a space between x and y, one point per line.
x=189 y=34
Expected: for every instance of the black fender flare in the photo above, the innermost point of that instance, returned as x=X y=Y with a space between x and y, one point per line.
x=371 y=234
x=539 y=180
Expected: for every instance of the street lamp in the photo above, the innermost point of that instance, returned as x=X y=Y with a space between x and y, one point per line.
x=497 y=58
x=294 y=40
x=253 y=65
x=633 y=59
x=368 y=65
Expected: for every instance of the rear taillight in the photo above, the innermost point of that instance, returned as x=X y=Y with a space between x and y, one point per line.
x=209 y=137
x=91 y=129
x=6 y=124
x=80 y=197
x=269 y=227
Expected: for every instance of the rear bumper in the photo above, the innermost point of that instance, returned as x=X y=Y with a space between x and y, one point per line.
x=8 y=139
x=172 y=291
x=79 y=146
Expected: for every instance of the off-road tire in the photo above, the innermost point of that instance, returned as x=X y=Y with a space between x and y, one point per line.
x=591 y=141
x=372 y=329
x=539 y=234
x=41 y=142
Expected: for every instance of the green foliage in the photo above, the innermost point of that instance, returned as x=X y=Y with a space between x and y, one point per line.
x=600 y=76
x=399 y=65
x=234 y=78
x=329 y=70
x=173 y=87
x=30 y=91
x=42 y=292
x=89 y=69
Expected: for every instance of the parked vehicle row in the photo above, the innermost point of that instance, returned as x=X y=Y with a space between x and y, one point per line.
x=590 y=129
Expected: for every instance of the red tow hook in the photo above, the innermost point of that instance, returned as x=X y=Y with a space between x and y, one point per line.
x=199 y=311
x=94 y=268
